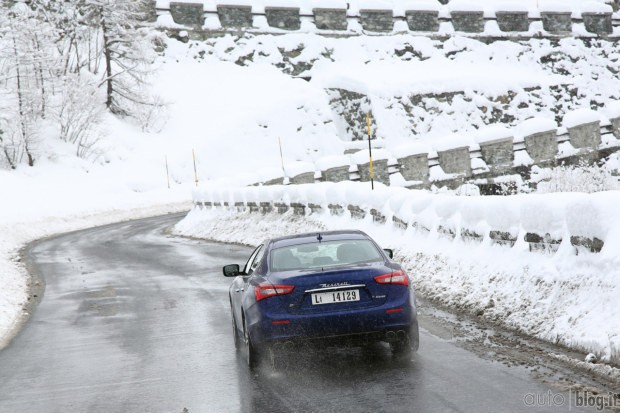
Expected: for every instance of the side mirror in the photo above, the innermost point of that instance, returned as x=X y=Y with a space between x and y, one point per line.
x=231 y=270
x=389 y=252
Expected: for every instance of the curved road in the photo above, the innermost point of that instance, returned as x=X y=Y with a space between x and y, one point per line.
x=134 y=320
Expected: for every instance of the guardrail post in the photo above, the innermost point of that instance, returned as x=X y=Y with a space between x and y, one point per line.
x=422 y=20
x=330 y=19
x=586 y=136
x=303 y=178
x=336 y=174
x=190 y=14
x=376 y=20
x=599 y=23
x=542 y=147
x=513 y=21
x=232 y=16
x=455 y=161
x=615 y=125
x=380 y=169
x=498 y=154
x=286 y=18
x=415 y=167
x=467 y=21
x=557 y=22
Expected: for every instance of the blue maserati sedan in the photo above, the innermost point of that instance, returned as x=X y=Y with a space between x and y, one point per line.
x=335 y=287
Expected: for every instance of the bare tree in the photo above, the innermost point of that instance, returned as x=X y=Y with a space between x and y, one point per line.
x=24 y=76
x=71 y=59
x=79 y=114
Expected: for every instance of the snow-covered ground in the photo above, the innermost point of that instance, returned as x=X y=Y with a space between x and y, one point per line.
x=417 y=88
x=231 y=101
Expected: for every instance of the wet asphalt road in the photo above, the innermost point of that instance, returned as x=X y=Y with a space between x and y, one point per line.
x=133 y=320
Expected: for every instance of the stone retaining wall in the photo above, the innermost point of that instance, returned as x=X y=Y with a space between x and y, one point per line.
x=462 y=163
x=233 y=16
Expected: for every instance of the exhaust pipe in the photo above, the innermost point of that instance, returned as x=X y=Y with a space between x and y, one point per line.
x=402 y=335
x=390 y=336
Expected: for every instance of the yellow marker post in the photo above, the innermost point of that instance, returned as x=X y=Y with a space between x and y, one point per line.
x=195 y=172
x=372 y=173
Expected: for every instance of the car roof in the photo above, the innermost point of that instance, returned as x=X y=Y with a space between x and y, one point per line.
x=310 y=237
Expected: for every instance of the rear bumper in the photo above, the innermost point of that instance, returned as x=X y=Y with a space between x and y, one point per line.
x=382 y=323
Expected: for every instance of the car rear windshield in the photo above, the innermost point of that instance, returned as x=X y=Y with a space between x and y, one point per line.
x=324 y=254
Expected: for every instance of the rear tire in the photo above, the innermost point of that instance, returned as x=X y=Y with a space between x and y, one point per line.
x=236 y=337
x=253 y=354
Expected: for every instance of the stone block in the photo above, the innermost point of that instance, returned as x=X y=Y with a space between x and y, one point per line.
x=615 y=124
x=455 y=161
x=330 y=19
x=315 y=208
x=377 y=216
x=594 y=244
x=544 y=243
x=503 y=238
x=468 y=21
x=275 y=181
x=335 y=209
x=557 y=22
x=189 y=14
x=234 y=16
x=380 y=169
x=586 y=136
x=298 y=209
x=542 y=147
x=266 y=207
x=414 y=167
x=377 y=20
x=336 y=174
x=446 y=232
x=599 y=23
x=498 y=154
x=471 y=235
x=356 y=212
x=399 y=223
x=281 y=207
x=286 y=18
x=422 y=20
x=420 y=228
x=513 y=21
x=305 y=178
x=149 y=12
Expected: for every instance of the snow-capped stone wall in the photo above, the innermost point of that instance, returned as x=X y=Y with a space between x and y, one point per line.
x=490 y=153
x=549 y=18
x=570 y=223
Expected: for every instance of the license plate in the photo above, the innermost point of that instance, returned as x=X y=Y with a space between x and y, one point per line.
x=335 y=297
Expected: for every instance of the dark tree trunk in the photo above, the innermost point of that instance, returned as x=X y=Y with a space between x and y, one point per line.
x=107 y=55
x=20 y=104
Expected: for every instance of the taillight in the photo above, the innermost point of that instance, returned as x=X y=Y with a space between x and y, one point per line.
x=263 y=291
x=397 y=277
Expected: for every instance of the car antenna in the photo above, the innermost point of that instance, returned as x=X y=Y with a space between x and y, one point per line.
x=319 y=237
